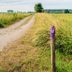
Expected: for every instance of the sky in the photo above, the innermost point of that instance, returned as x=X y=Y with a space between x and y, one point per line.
x=28 y=5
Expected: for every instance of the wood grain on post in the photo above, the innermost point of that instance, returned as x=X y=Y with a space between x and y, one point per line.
x=52 y=38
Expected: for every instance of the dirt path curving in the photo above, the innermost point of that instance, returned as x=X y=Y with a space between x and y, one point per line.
x=10 y=34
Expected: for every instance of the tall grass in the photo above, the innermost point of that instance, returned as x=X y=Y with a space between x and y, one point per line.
x=32 y=53
x=7 y=19
x=64 y=34
x=40 y=38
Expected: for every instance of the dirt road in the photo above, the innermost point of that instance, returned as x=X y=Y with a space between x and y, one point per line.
x=14 y=32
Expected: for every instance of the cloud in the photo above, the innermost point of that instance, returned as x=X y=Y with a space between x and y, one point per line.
x=17 y=7
x=33 y=1
x=27 y=5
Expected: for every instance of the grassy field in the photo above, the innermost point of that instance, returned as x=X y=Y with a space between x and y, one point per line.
x=6 y=19
x=32 y=52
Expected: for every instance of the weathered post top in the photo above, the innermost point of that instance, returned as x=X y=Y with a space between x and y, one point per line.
x=52 y=36
x=52 y=32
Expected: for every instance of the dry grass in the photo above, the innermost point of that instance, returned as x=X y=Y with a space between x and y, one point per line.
x=7 y=19
x=23 y=56
x=16 y=55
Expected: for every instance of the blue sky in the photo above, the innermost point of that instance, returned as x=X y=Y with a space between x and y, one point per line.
x=28 y=5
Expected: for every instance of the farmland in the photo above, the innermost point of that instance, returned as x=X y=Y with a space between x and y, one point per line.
x=6 y=19
x=32 y=52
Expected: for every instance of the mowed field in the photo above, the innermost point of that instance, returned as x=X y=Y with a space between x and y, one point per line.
x=32 y=52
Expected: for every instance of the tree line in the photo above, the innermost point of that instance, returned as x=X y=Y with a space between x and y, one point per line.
x=39 y=8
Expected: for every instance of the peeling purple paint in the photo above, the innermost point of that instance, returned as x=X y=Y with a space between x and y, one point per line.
x=52 y=32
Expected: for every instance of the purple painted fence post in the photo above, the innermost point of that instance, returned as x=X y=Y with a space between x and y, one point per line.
x=52 y=38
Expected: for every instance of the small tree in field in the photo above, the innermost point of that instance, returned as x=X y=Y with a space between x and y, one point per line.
x=38 y=7
x=66 y=11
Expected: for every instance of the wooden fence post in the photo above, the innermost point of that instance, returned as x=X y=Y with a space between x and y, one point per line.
x=52 y=38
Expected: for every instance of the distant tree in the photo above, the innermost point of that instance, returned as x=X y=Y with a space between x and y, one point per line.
x=38 y=7
x=10 y=11
x=66 y=11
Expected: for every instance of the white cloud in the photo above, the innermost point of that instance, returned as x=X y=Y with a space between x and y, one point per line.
x=27 y=5
x=35 y=0
x=16 y=7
